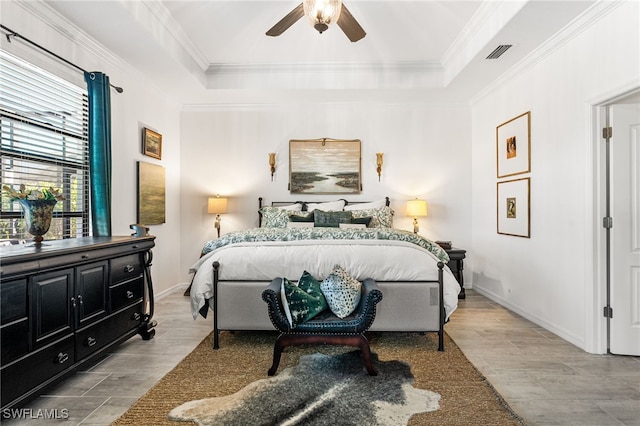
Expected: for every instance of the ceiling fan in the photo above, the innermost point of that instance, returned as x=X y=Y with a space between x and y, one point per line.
x=321 y=13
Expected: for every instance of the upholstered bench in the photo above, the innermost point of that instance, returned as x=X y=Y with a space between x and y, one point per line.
x=325 y=328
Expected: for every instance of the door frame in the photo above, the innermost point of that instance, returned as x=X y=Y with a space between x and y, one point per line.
x=596 y=336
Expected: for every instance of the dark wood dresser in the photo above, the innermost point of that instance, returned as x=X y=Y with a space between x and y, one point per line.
x=67 y=302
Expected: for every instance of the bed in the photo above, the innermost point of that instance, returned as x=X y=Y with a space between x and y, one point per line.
x=419 y=290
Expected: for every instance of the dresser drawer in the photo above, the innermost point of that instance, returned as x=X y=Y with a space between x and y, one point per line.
x=14 y=300
x=126 y=293
x=14 y=340
x=126 y=267
x=27 y=374
x=104 y=332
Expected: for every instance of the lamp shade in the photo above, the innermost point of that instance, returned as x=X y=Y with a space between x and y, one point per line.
x=217 y=205
x=416 y=208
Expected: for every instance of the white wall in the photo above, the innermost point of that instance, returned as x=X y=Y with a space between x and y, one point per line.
x=426 y=155
x=140 y=105
x=549 y=277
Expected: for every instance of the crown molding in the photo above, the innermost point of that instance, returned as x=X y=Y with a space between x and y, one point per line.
x=51 y=18
x=490 y=18
x=580 y=24
x=162 y=14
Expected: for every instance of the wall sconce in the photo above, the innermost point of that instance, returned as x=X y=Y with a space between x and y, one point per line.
x=272 y=163
x=217 y=205
x=416 y=208
x=379 y=163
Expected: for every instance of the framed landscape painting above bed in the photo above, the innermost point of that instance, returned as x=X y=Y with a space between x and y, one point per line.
x=325 y=166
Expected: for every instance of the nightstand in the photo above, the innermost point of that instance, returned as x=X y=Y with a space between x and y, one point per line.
x=456 y=264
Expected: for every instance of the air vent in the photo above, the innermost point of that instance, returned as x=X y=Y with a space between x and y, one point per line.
x=499 y=51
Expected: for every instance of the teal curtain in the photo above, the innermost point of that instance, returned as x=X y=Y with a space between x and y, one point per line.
x=99 y=152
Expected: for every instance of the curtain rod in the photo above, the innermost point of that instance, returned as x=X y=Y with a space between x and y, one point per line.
x=12 y=33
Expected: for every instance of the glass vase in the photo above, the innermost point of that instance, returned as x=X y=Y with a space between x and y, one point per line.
x=37 y=217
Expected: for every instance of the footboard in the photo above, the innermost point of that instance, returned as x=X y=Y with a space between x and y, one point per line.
x=408 y=306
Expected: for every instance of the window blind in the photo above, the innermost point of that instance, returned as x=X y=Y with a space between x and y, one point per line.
x=44 y=143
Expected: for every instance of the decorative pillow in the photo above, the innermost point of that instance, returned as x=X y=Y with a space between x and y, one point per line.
x=275 y=217
x=362 y=220
x=364 y=206
x=380 y=218
x=334 y=206
x=330 y=219
x=283 y=300
x=300 y=217
x=297 y=207
x=341 y=291
x=303 y=301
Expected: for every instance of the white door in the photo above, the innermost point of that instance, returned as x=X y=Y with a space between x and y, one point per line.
x=624 y=119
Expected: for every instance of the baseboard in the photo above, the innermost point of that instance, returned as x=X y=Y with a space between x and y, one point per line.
x=574 y=340
x=170 y=290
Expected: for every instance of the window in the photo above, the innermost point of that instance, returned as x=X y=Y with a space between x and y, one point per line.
x=44 y=128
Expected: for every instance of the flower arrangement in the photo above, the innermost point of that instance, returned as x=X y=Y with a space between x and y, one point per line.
x=32 y=194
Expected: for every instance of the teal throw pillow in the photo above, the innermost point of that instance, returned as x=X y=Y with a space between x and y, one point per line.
x=331 y=219
x=362 y=220
x=305 y=300
x=299 y=217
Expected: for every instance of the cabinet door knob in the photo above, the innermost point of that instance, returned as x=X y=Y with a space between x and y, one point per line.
x=91 y=341
x=80 y=299
x=129 y=269
x=129 y=294
x=61 y=358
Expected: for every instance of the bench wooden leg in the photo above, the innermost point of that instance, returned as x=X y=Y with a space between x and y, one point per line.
x=358 y=341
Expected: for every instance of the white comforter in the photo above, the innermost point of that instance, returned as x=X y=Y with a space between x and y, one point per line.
x=382 y=260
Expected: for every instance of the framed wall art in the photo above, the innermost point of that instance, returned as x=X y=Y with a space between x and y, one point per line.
x=324 y=166
x=151 y=194
x=513 y=146
x=514 y=209
x=152 y=143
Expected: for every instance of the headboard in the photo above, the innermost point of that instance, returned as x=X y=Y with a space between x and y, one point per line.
x=304 y=204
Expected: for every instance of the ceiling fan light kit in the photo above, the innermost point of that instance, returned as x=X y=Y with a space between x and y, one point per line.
x=321 y=14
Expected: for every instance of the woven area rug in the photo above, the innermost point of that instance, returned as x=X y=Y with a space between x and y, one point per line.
x=455 y=393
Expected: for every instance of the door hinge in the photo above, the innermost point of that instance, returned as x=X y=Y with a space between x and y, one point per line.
x=608 y=312
x=607 y=132
x=607 y=222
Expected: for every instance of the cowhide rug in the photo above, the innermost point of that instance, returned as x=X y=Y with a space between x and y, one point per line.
x=320 y=390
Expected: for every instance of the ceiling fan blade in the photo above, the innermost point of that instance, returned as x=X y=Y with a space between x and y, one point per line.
x=287 y=21
x=349 y=25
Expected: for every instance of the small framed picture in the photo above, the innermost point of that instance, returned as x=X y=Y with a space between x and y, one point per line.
x=514 y=207
x=513 y=146
x=152 y=144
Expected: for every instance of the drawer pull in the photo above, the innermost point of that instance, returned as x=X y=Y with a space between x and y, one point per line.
x=129 y=269
x=61 y=358
x=137 y=316
x=91 y=341
x=129 y=294
x=134 y=247
x=85 y=256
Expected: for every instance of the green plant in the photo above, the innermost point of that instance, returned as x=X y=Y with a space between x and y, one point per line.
x=32 y=194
